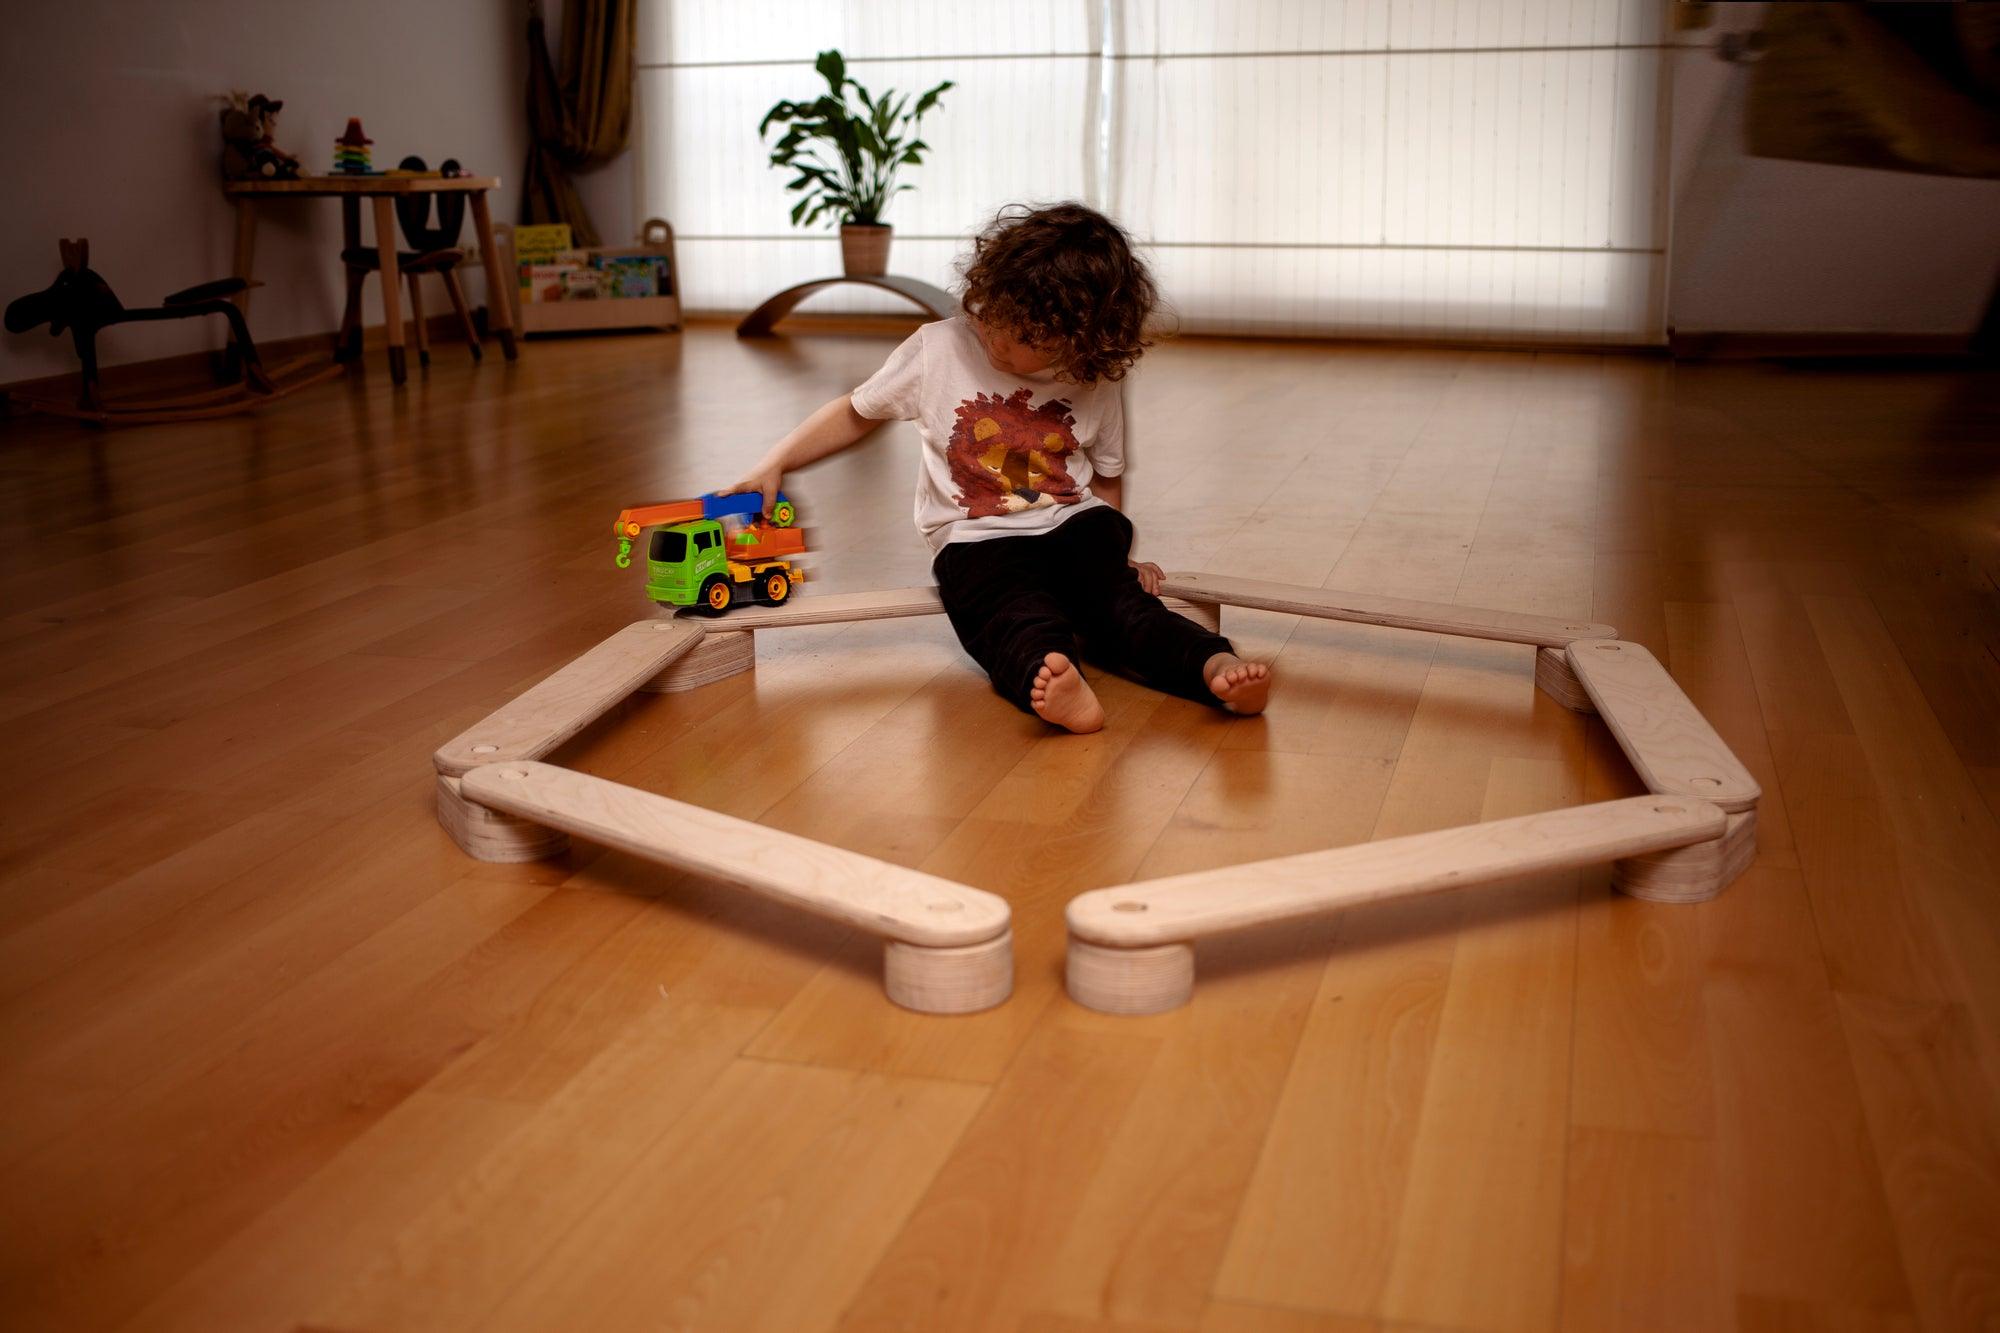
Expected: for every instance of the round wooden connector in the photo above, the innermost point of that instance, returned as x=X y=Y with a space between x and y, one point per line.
x=1150 y=980
x=961 y=980
x=1208 y=615
x=722 y=653
x=485 y=834
x=1691 y=874
x=1554 y=678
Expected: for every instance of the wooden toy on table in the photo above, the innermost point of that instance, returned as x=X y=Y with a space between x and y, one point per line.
x=350 y=151
x=247 y=150
x=1131 y=948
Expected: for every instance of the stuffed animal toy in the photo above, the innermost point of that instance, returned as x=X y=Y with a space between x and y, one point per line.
x=247 y=151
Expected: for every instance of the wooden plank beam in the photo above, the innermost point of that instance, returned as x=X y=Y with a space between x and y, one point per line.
x=877 y=896
x=950 y=949
x=831 y=609
x=1672 y=748
x=840 y=607
x=1209 y=902
x=1434 y=617
x=1131 y=950
x=554 y=710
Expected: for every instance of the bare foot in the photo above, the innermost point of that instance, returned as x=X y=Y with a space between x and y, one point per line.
x=1061 y=695
x=1244 y=686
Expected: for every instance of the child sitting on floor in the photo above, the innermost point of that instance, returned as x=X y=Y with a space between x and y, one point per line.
x=1022 y=477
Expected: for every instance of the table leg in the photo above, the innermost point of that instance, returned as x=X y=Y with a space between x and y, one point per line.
x=246 y=246
x=498 y=308
x=347 y=346
x=227 y=363
x=392 y=281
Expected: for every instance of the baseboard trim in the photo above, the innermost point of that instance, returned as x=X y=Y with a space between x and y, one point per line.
x=181 y=368
x=903 y=325
x=1717 y=345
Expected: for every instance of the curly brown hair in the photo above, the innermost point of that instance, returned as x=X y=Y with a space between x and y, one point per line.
x=1063 y=279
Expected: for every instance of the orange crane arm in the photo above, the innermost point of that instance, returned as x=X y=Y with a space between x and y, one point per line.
x=631 y=521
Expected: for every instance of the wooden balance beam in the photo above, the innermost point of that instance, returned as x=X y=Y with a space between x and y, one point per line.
x=532 y=724
x=949 y=948
x=1672 y=747
x=1550 y=635
x=1199 y=597
x=1467 y=622
x=1131 y=949
x=730 y=647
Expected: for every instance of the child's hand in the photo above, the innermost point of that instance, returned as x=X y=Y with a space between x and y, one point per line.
x=763 y=479
x=1151 y=576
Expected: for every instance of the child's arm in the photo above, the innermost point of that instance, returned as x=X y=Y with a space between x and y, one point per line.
x=829 y=430
x=1111 y=490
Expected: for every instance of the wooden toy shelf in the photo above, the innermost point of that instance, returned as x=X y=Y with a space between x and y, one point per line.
x=604 y=312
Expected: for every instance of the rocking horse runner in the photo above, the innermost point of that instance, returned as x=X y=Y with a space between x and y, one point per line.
x=82 y=302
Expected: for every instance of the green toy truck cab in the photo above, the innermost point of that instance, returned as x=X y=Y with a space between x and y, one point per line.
x=692 y=564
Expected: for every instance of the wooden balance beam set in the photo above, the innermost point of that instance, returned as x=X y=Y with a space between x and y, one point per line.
x=948 y=948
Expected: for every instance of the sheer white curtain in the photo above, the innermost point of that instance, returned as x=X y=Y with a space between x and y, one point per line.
x=1460 y=168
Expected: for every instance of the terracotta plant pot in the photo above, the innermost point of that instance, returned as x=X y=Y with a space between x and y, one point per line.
x=864 y=249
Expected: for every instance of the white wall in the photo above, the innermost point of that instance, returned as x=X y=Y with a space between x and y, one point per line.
x=1769 y=246
x=110 y=108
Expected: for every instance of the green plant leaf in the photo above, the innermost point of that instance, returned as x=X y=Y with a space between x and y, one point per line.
x=782 y=111
x=833 y=68
x=930 y=99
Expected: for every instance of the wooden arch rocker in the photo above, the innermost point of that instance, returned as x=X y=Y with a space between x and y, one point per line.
x=82 y=303
x=933 y=301
x=949 y=948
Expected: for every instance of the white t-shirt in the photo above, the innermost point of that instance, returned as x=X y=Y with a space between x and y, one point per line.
x=1003 y=455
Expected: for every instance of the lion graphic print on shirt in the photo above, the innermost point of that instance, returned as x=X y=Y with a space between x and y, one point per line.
x=1003 y=455
x=1007 y=455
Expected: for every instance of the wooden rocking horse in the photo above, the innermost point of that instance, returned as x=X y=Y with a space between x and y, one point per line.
x=83 y=303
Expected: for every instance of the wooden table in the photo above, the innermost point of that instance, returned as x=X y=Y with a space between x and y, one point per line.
x=381 y=192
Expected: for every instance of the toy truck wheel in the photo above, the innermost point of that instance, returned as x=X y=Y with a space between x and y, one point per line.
x=774 y=587
x=716 y=595
x=783 y=514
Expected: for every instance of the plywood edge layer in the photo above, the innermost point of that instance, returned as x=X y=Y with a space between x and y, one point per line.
x=488 y=835
x=1185 y=907
x=562 y=704
x=1398 y=613
x=722 y=653
x=876 y=896
x=1554 y=678
x=1692 y=874
x=1671 y=746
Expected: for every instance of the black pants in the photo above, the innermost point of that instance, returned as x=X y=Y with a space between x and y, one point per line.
x=1015 y=600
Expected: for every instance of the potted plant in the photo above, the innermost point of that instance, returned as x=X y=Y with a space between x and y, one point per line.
x=867 y=144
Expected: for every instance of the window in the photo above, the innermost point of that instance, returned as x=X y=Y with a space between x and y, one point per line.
x=1461 y=168
x=668 y=546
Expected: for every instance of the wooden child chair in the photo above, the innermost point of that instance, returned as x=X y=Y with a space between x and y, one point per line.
x=432 y=250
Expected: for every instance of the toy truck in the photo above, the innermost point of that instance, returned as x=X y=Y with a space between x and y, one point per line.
x=694 y=559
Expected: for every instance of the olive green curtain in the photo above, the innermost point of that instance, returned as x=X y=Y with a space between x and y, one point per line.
x=584 y=116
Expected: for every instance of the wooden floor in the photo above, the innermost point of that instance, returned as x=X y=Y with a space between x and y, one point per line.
x=275 y=1055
